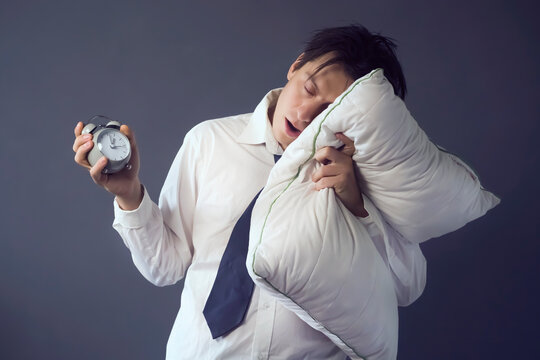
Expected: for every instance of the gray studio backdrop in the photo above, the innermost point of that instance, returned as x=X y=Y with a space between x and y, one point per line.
x=68 y=286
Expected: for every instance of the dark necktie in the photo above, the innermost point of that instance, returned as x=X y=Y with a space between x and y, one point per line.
x=229 y=298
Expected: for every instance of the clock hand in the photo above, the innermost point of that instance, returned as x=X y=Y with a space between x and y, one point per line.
x=117 y=146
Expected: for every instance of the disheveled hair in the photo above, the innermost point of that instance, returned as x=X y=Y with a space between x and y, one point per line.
x=359 y=51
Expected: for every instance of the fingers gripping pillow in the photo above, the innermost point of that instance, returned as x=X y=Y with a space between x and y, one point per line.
x=316 y=258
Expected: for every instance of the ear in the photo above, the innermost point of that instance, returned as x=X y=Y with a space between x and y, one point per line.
x=293 y=68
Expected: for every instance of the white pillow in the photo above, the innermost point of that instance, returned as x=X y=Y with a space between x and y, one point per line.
x=422 y=191
x=317 y=258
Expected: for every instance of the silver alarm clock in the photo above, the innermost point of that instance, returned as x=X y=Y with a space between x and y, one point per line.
x=108 y=142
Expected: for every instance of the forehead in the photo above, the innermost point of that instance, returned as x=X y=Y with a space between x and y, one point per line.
x=332 y=78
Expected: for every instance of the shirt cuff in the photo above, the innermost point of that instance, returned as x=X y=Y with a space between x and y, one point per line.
x=134 y=218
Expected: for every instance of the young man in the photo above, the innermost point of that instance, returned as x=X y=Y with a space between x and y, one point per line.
x=218 y=171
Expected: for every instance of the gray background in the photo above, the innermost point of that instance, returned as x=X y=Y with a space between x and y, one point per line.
x=68 y=286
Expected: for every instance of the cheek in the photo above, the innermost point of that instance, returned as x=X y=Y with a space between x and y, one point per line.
x=290 y=100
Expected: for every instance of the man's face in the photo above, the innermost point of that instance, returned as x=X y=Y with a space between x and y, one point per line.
x=305 y=96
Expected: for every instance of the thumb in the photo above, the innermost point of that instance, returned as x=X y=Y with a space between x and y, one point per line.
x=348 y=145
x=96 y=171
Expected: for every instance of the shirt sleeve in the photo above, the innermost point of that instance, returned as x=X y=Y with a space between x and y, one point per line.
x=159 y=237
x=404 y=258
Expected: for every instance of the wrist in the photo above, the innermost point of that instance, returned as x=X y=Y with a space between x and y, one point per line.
x=361 y=213
x=133 y=198
x=360 y=210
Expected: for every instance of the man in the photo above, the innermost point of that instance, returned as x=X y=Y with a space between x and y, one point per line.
x=219 y=170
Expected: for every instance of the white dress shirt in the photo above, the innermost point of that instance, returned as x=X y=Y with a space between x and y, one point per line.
x=219 y=169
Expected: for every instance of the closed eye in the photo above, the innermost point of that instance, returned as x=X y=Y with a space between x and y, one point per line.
x=309 y=91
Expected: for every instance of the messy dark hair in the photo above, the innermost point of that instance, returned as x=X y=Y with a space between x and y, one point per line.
x=358 y=51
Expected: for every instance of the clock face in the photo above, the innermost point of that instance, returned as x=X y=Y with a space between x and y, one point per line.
x=113 y=144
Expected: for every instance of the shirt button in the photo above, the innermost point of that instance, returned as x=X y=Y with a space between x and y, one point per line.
x=261 y=356
x=266 y=306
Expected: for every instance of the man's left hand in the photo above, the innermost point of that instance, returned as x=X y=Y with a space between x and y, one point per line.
x=338 y=172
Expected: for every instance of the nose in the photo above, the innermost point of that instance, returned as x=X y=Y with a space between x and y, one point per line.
x=307 y=111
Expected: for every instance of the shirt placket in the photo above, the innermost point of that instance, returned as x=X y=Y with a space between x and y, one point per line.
x=264 y=327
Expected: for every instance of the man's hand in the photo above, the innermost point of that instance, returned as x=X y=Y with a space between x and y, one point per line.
x=124 y=184
x=337 y=171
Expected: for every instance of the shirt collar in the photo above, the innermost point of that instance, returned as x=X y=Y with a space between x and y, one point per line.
x=259 y=129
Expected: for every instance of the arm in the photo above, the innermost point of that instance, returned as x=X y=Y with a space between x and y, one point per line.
x=405 y=259
x=159 y=237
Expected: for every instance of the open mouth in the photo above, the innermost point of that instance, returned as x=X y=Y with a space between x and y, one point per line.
x=291 y=130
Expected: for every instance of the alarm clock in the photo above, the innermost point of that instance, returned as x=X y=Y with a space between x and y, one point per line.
x=108 y=142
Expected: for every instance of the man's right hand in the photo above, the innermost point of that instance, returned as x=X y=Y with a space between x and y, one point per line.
x=125 y=184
